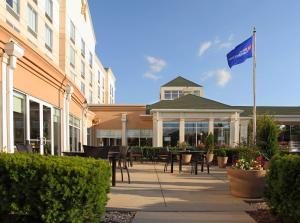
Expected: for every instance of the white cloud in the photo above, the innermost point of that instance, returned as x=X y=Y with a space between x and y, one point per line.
x=217 y=43
x=204 y=47
x=227 y=44
x=221 y=76
x=156 y=65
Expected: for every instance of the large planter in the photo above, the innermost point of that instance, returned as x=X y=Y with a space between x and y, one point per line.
x=186 y=158
x=222 y=161
x=266 y=165
x=209 y=157
x=246 y=183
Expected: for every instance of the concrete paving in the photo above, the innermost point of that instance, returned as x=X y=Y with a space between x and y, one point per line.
x=177 y=197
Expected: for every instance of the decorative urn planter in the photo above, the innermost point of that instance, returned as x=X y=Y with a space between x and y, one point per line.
x=246 y=183
x=222 y=161
x=186 y=158
x=266 y=165
x=209 y=157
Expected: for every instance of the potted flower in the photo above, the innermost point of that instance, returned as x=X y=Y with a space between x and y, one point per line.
x=186 y=158
x=246 y=178
x=209 y=144
x=222 y=158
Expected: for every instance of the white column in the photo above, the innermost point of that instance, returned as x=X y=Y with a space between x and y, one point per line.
x=159 y=133
x=211 y=126
x=84 y=126
x=124 y=129
x=10 y=109
x=181 y=130
x=69 y=91
x=157 y=137
x=14 y=51
x=3 y=130
x=63 y=126
x=234 y=130
x=244 y=131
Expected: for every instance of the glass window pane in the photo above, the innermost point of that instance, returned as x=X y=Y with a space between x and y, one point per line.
x=19 y=119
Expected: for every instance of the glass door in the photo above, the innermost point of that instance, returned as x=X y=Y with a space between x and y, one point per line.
x=40 y=126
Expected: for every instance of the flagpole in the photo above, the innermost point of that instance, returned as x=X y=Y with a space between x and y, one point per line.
x=254 y=86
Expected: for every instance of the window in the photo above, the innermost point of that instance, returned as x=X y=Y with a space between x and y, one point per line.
x=82 y=69
x=103 y=83
x=49 y=9
x=139 y=137
x=32 y=20
x=56 y=130
x=171 y=95
x=222 y=132
x=170 y=133
x=91 y=79
x=19 y=118
x=109 y=137
x=90 y=97
x=99 y=76
x=82 y=87
x=196 y=132
x=74 y=133
x=72 y=56
x=82 y=48
x=13 y=6
x=91 y=59
x=99 y=92
x=72 y=32
x=73 y=76
x=48 y=38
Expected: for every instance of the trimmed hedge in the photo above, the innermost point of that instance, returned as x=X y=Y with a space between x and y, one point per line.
x=53 y=189
x=283 y=187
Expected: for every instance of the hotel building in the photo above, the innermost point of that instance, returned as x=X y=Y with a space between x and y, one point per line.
x=183 y=114
x=56 y=95
x=50 y=73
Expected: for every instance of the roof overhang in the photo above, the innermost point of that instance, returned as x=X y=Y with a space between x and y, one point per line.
x=198 y=110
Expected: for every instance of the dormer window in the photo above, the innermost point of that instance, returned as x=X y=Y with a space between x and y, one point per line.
x=171 y=95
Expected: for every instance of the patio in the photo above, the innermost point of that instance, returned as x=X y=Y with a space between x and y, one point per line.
x=166 y=197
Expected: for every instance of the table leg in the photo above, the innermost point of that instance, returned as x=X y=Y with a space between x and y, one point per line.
x=196 y=167
x=202 y=163
x=113 y=171
x=180 y=162
x=172 y=162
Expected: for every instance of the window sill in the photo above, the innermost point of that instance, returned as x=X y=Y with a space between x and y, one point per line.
x=13 y=12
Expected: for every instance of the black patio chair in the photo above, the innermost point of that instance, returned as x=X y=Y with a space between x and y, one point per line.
x=122 y=162
x=135 y=153
x=24 y=148
x=199 y=159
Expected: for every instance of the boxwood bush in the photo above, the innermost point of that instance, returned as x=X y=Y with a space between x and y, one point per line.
x=53 y=189
x=283 y=187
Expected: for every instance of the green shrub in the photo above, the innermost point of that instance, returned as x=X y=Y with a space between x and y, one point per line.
x=221 y=152
x=267 y=136
x=283 y=187
x=53 y=189
x=210 y=143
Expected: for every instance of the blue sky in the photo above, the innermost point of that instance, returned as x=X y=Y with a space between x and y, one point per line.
x=149 y=42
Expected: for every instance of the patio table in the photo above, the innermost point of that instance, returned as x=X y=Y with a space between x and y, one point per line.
x=180 y=153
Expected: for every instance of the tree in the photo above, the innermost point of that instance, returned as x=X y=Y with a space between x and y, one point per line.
x=267 y=136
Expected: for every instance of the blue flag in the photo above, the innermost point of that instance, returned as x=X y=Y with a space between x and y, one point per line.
x=240 y=53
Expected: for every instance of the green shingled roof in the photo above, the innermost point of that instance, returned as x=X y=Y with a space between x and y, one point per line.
x=270 y=110
x=181 y=82
x=188 y=102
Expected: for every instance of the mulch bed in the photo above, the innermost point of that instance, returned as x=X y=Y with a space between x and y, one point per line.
x=119 y=217
x=262 y=214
